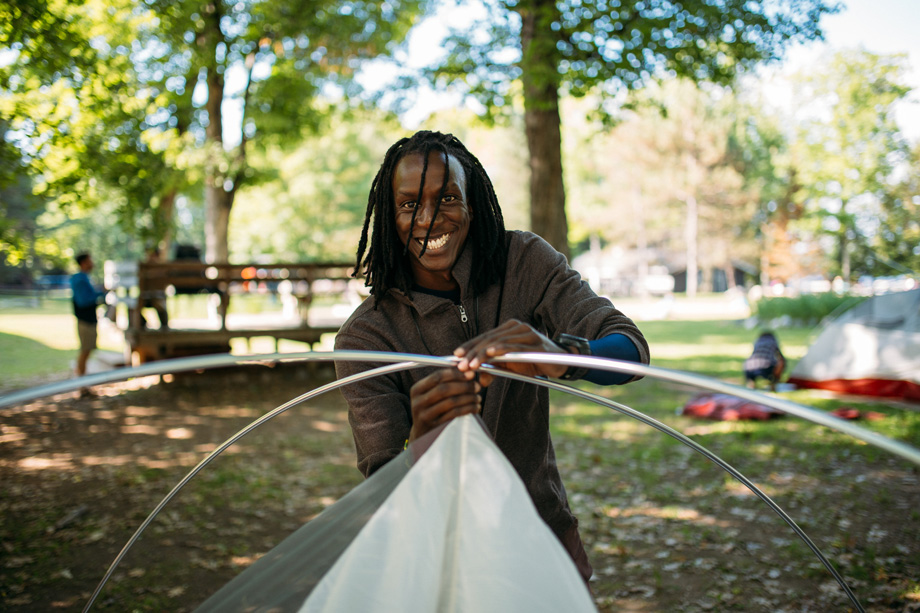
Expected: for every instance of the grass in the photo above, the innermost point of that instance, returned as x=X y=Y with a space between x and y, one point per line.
x=715 y=348
x=38 y=337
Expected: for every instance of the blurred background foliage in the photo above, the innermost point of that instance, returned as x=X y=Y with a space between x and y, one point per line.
x=128 y=123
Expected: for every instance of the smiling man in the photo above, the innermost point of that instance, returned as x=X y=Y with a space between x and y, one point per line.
x=447 y=278
x=434 y=242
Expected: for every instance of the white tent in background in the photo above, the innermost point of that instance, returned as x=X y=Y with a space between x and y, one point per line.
x=872 y=349
x=456 y=532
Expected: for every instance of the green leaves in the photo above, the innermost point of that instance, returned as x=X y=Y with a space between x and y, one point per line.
x=849 y=152
x=583 y=44
x=144 y=100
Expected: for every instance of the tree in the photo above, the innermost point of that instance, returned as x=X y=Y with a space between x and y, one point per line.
x=542 y=49
x=18 y=211
x=153 y=84
x=320 y=192
x=667 y=177
x=320 y=188
x=76 y=109
x=848 y=149
x=758 y=150
x=895 y=247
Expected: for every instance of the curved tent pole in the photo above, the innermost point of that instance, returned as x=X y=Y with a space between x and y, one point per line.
x=675 y=376
x=898 y=448
x=161 y=367
x=401 y=362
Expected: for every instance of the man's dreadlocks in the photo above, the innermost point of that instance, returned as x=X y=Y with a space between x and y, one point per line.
x=386 y=262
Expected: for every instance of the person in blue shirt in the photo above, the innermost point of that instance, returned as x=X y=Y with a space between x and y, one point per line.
x=85 y=299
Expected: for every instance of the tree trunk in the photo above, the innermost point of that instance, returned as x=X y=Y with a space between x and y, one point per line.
x=692 y=253
x=844 y=246
x=167 y=212
x=217 y=199
x=730 y=282
x=542 y=123
x=217 y=203
x=641 y=243
x=765 y=249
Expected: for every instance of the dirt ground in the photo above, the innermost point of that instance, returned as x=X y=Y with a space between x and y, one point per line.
x=80 y=475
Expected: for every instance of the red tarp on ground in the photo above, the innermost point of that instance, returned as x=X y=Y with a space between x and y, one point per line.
x=722 y=407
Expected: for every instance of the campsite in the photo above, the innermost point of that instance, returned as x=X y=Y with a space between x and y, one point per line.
x=665 y=529
x=460 y=306
x=872 y=349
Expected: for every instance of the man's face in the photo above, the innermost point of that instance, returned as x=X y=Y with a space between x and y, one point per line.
x=87 y=265
x=448 y=231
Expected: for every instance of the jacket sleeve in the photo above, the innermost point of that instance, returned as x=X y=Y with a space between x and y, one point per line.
x=561 y=301
x=378 y=408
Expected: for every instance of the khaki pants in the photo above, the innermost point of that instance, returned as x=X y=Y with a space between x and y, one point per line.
x=87 y=333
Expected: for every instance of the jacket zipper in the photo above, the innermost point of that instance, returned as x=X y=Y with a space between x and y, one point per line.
x=465 y=319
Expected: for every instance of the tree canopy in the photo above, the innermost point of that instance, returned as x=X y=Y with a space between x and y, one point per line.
x=541 y=49
x=149 y=96
x=849 y=152
x=140 y=113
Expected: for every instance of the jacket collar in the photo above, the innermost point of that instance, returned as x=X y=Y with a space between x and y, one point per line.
x=426 y=303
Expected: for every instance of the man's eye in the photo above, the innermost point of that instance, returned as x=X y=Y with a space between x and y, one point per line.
x=449 y=198
x=407 y=205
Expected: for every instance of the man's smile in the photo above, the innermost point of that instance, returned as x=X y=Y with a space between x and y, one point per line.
x=435 y=243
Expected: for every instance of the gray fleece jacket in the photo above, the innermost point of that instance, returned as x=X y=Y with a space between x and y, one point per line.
x=539 y=289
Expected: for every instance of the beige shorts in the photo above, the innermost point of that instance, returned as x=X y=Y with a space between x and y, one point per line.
x=87 y=333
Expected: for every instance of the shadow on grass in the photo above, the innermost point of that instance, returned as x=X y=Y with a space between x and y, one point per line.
x=77 y=476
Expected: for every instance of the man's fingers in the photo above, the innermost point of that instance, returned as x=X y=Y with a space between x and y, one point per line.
x=448 y=390
x=448 y=408
x=470 y=406
x=513 y=338
x=443 y=391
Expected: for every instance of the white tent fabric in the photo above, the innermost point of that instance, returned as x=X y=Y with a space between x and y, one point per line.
x=871 y=349
x=446 y=526
x=458 y=534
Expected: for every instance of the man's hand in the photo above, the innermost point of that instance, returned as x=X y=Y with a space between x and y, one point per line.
x=442 y=396
x=512 y=336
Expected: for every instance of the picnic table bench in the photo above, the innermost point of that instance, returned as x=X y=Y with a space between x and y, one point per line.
x=295 y=287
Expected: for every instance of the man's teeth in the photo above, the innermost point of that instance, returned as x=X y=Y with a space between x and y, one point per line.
x=437 y=243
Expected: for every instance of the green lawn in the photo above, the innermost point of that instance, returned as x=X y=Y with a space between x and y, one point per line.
x=639 y=494
x=39 y=340
x=715 y=348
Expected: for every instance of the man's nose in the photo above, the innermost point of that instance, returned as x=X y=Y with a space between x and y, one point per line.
x=425 y=215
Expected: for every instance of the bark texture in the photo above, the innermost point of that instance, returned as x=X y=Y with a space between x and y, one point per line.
x=542 y=123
